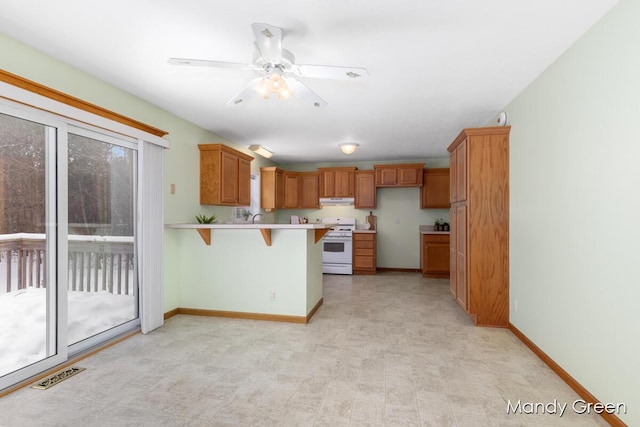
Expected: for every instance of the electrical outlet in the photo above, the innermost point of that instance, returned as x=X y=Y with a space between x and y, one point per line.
x=172 y=189
x=273 y=295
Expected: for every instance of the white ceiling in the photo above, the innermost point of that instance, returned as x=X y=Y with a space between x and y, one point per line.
x=435 y=66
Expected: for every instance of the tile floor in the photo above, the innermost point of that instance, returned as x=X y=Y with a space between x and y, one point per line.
x=386 y=350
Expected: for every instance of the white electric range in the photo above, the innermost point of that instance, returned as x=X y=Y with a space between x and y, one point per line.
x=337 y=246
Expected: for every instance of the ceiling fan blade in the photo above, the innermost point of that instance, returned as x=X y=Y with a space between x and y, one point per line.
x=269 y=40
x=245 y=93
x=206 y=63
x=304 y=94
x=330 y=72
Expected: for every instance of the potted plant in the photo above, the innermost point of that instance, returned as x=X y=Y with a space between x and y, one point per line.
x=204 y=219
x=436 y=224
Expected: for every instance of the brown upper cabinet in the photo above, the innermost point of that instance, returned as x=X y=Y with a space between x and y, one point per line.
x=271 y=188
x=291 y=190
x=365 y=189
x=301 y=190
x=401 y=175
x=225 y=176
x=435 y=189
x=337 y=181
x=309 y=190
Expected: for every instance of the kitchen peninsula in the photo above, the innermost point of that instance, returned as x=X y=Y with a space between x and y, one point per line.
x=252 y=271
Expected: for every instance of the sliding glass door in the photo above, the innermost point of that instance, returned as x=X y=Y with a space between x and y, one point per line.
x=29 y=310
x=102 y=289
x=68 y=240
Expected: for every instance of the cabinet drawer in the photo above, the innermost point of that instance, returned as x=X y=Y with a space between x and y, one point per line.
x=357 y=244
x=363 y=252
x=364 y=237
x=435 y=238
x=364 y=262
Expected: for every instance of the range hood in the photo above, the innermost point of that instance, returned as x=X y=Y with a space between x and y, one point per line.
x=336 y=201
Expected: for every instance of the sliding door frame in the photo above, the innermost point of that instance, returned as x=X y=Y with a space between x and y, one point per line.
x=131 y=144
x=26 y=99
x=56 y=244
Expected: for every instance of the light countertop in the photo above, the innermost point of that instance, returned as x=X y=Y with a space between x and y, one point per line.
x=428 y=229
x=244 y=226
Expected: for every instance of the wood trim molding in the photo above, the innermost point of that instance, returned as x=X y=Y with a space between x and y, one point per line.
x=493 y=130
x=314 y=309
x=242 y=315
x=169 y=314
x=72 y=101
x=612 y=419
x=401 y=270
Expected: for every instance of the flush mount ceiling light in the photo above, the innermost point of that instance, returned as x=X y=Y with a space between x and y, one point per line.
x=259 y=149
x=349 y=147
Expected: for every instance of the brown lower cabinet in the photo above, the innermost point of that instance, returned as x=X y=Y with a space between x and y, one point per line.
x=434 y=255
x=364 y=253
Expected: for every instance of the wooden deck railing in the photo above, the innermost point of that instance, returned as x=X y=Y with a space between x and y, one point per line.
x=96 y=263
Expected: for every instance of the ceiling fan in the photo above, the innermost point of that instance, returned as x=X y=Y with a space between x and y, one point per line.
x=279 y=71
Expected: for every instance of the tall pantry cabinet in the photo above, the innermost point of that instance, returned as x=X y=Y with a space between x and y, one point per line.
x=479 y=171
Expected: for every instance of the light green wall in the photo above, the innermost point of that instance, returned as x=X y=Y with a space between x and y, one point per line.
x=398 y=214
x=181 y=160
x=575 y=199
x=238 y=271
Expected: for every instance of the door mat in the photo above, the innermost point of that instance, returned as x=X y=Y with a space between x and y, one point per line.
x=57 y=377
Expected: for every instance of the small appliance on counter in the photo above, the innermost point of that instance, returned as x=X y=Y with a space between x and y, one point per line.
x=295 y=219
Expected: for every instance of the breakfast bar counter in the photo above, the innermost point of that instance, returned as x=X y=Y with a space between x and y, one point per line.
x=254 y=271
x=265 y=229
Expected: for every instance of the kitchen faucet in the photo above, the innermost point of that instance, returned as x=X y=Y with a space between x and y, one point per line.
x=253 y=218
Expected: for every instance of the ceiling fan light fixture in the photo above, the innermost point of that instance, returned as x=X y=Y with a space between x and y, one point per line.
x=284 y=92
x=348 y=147
x=274 y=63
x=259 y=149
x=262 y=88
x=273 y=83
